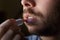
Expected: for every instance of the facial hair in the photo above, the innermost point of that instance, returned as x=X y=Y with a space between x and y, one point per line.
x=52 y=22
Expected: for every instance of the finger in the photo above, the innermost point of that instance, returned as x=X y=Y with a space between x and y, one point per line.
x=5 y=26
x=7 y=35
x=17 y=37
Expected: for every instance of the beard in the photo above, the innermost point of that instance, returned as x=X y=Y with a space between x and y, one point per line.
x=51 y=24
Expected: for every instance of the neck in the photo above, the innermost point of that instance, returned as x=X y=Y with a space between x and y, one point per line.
x=50 y=37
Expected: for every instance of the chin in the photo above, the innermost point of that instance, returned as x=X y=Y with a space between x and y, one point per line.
x=33 y=29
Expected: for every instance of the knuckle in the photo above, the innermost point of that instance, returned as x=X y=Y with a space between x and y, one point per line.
x=11 y=20
x=7 y=22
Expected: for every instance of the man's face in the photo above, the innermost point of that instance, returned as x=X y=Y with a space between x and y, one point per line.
x=39 y=14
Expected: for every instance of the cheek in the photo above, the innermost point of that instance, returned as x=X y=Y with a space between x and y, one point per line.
x=44 y=6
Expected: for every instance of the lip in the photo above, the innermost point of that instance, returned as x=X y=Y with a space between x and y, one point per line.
x=29 y=19
x=26 y=15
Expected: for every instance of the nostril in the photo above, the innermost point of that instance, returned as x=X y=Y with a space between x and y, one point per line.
x=26 y=4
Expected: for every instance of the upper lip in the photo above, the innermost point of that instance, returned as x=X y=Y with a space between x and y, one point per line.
x=25 y=16
x=26 y=13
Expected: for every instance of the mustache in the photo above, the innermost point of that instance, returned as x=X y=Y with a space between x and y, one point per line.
x=28 y=10
x=31 y=11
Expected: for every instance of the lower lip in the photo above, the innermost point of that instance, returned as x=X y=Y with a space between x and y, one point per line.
x=31 y=20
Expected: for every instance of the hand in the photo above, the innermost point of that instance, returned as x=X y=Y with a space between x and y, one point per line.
x=10 y=31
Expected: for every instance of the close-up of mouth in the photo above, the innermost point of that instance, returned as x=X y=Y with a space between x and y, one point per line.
x=29 y=18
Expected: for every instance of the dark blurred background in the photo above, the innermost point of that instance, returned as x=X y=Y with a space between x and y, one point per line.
x=10 y=9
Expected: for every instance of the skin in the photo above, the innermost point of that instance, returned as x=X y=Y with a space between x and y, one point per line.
x=46 y=23
x=10 y=31
x=43 y=11
x=46 y=13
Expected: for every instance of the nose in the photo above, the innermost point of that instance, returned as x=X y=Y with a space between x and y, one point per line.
x=28 y=3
